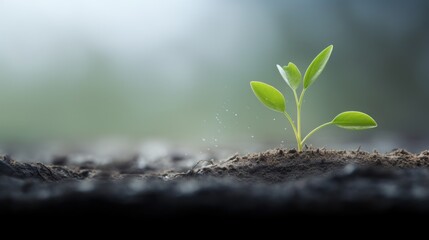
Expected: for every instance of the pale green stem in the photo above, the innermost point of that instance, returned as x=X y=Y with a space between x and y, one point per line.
x=301 y=97
x=298 y=116
x=298 y=111
x=293 y=127
x=296 y=97
x=315 y=130
x=299 y=105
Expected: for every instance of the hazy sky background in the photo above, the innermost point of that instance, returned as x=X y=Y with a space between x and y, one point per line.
x=180 y=69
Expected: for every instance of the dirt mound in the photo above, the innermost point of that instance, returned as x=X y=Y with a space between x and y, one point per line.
x=277 y=183
x=279 y=165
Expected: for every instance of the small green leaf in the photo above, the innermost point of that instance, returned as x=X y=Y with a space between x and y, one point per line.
x=316 y=66
x=354 y=120
x=293 y=75
x=283 y=73
x=269 y=96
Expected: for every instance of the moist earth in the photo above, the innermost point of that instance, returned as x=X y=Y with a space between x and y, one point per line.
x=273 y=183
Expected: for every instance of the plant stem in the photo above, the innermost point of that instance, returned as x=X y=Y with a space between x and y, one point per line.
x=315 y=130
x=298 y=117
x=293 y=126
x=298 y=111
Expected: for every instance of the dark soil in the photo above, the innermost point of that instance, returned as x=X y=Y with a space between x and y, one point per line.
x=279 y=165
x=273 y=183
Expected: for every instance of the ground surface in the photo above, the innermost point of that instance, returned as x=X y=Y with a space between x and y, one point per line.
x=273 y=183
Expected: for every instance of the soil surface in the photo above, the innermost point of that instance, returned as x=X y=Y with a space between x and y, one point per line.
x=277 y=182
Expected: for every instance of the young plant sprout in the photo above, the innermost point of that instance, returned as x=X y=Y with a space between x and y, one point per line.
x=274 y=99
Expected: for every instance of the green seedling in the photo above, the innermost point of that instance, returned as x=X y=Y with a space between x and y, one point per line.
x=274 y=99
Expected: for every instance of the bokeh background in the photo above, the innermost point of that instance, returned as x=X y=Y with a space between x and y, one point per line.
x=179 y=70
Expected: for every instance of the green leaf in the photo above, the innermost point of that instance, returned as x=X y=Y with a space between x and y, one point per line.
x=283 y=73
x=269 y=96
x=354 y=120
x=316 y=66
x=293 y=75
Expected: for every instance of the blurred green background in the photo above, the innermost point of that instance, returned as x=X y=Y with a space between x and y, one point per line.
x=180 y=69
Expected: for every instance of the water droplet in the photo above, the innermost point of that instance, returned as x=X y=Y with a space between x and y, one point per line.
x=215 y=139
x=248 y=127
x=216 y=145
x=236 y=114
x=252 y=136
x=227 y=110
x=208 y=149
x=274 y=119
x=285 y=129
x=283 y=141
x=203 y=139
